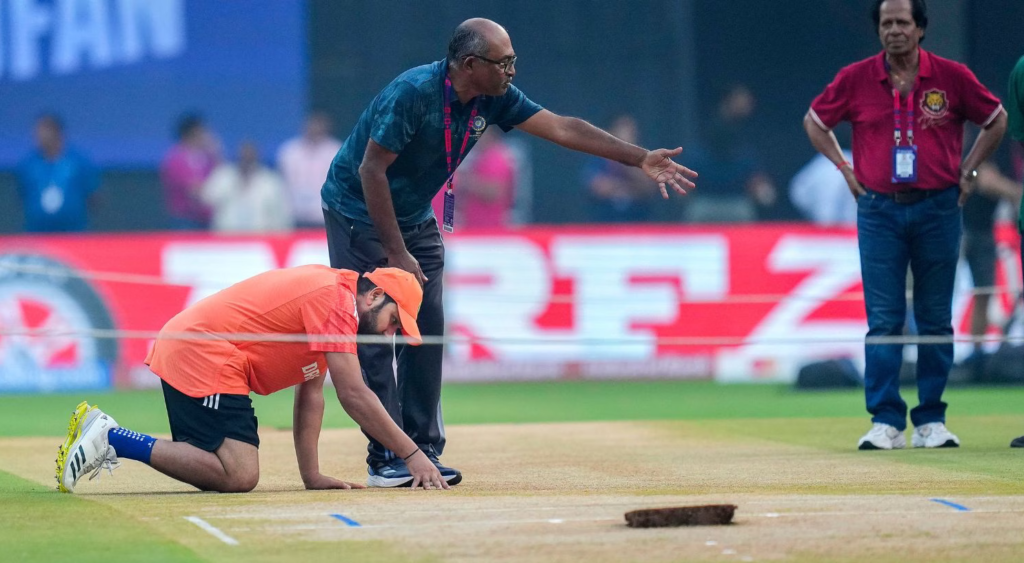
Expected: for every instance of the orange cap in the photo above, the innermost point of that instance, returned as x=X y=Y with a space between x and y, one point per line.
x=407 y=293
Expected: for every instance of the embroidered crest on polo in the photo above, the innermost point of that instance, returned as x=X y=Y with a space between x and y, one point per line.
x=935 y=104
x=479 y=124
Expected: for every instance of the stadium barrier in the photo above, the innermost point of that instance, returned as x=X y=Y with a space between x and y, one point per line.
x=745 y=303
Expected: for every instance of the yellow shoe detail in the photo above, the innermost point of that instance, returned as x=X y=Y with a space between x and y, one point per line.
x=74 y=431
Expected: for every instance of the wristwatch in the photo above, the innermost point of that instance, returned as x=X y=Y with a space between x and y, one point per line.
x=971 y=174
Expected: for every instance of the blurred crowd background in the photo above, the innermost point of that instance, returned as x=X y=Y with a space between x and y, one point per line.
x=224 y=116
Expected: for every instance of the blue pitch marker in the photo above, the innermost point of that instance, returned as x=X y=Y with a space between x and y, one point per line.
x=348 y=521
x=959 y=507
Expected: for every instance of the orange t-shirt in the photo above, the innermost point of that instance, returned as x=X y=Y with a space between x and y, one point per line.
x=309 y=300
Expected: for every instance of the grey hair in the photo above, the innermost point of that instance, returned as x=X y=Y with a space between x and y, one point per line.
x=465 y=41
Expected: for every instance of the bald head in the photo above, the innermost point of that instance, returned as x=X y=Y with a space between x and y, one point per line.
x=478 y=36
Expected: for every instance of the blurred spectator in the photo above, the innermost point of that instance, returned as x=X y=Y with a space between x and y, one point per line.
x=979 y=246
x=618 y=193
x=304 y=162
x=184 y=169
x=733 y=184
x=485 y=185
x=56 y=184
x=247 y=197
x=819 y=191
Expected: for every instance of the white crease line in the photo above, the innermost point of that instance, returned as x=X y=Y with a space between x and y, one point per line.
x=497 y=522
x=299 y=515
x=445 y=511
x=460 y=524
x=873 y=513
x=213 y=530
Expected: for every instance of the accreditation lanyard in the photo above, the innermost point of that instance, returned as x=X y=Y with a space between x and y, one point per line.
x=904 y=158
x=897 y=111
x=449 y=193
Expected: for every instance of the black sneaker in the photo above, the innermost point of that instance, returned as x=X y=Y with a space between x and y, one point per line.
x=388 y=473
x=451 y=475
x=1017 y=442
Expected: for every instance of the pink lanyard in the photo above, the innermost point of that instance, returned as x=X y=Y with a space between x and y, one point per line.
x=897 y=133
x=448 y=133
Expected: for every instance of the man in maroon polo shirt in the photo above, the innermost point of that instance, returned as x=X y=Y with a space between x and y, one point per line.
x=907 y=108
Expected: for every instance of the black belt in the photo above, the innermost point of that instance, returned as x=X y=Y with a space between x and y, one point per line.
x=909 y=197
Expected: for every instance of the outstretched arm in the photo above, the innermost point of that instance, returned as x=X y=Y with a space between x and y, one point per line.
x=365 y=408
x=307 y=418
x=576 y=134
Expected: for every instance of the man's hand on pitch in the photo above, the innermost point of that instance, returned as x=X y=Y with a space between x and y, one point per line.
x=659 y=166
x=405 y=261
x=321 y=482
x=424 y=474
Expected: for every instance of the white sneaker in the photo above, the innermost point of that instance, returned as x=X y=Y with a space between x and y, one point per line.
x=86 y=447
x=882 y=437
x=934 y=435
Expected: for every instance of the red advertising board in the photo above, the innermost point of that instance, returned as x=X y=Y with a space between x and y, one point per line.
x=742 y=303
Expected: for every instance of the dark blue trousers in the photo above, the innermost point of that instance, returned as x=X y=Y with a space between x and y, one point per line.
x=926 y=236
x=412 y=394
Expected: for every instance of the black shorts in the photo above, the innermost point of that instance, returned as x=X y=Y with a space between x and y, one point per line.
x=204 y=422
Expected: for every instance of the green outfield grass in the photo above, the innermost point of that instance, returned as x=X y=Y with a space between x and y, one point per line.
x=769 y=423
x=33 y=517
x=563 y=401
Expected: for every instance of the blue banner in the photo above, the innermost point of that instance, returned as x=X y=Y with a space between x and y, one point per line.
x=121 y=73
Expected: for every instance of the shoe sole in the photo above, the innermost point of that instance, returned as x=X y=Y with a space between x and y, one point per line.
x=946 y=444
x=75 y=431
x=385 y=483
x=404 y=482
x=868 y=446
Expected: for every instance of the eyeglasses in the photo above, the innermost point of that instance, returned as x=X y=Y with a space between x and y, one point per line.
x=505 y=65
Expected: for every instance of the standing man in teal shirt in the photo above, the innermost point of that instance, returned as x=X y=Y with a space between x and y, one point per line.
x=1015 y=109
x=403 y=150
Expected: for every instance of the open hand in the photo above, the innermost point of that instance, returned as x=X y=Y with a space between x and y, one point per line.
x=658 y=166
x=424 y=473
x=321 y=482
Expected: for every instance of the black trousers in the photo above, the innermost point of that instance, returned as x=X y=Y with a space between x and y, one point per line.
x=412 y=394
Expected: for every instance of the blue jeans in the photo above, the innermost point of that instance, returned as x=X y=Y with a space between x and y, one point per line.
x=926 y=236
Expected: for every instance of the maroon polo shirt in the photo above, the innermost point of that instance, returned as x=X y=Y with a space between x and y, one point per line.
x=946 y=94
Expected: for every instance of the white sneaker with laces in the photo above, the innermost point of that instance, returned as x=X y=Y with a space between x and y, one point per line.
x=86 y=447
x=882 y=437
x=934 y=435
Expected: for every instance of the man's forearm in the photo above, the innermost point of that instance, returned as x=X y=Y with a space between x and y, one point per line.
x=581 y=136
x=986 y=144
x=307 y=419
x=382 y=211
x=367 y=411
x=823 y=141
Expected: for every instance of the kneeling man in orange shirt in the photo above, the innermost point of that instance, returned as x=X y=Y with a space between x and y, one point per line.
x=273 y=331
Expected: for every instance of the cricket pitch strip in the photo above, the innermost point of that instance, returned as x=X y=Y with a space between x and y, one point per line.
x=558 y=492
